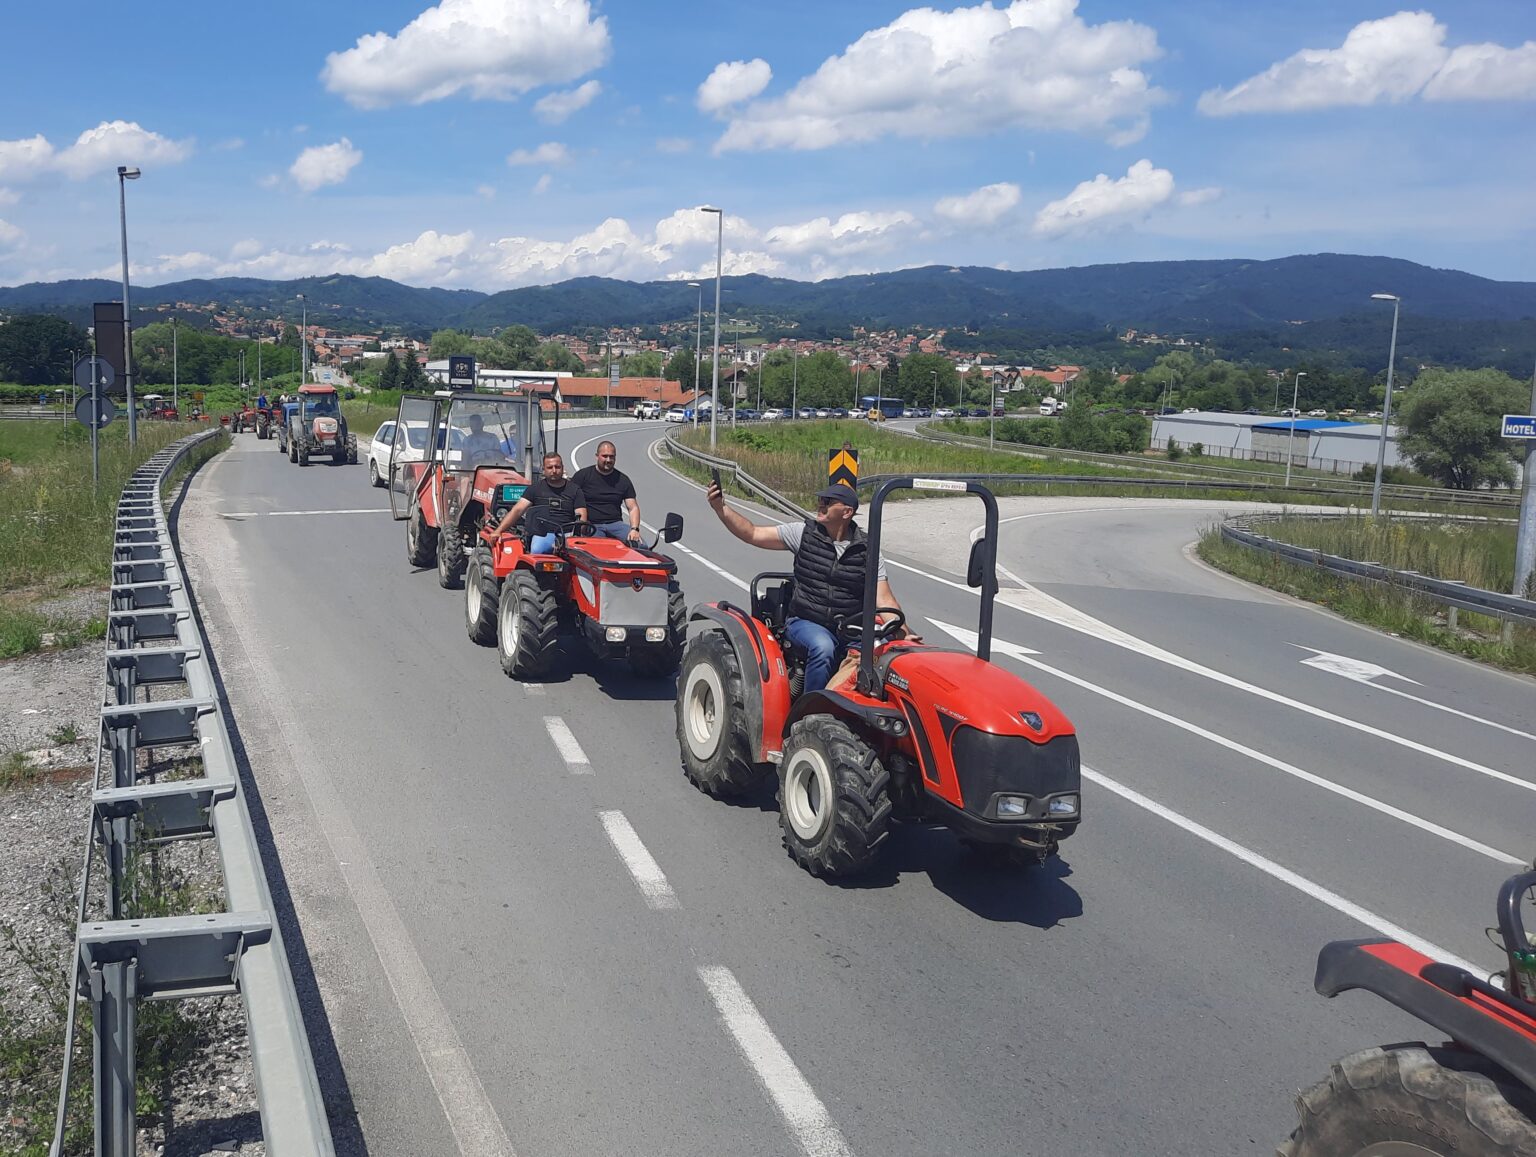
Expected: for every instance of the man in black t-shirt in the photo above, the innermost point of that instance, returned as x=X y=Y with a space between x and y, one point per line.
x=614 y=509
x=553 y=504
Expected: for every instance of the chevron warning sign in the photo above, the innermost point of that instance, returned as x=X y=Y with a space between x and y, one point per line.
x=843 y=467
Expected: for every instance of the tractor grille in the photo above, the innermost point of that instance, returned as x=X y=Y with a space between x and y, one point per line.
x=620 y=605
x=987 y=764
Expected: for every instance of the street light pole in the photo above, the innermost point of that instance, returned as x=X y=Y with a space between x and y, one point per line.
x=303 y=340
x=698 y=334
x=934 y=374
x=1290 y=443
x=1386 y=409
x=127 y=173
x=175 y=371
x=714 y=391
x=794 y=385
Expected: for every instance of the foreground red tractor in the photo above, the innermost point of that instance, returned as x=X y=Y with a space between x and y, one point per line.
x=622 y=601
x=314 y=424
x=452 y=455
x=1475 y=1094
x=922 y=734
x=268 y=420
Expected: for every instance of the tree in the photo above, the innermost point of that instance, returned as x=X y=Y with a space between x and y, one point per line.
x=680 y=369
x=412 y=376
x=917 y=379
x=552 y=355
x=36 y=349
x=1450 y=424
x=646 y=364
x=450 y=343
x=389 y=379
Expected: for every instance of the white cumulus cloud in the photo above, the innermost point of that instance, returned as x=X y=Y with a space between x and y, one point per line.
x=10 y=234
x=984 y=206
x=549 y=153
x=1103 y=201
x=325 y=165
x=94 y=152
x=487 y=49
x=557 y=106
x=1199 y=196
x=732 y=82
x=1486 y=72
x=1032 y=64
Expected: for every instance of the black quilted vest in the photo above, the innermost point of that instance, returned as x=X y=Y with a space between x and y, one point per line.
x=828 y=587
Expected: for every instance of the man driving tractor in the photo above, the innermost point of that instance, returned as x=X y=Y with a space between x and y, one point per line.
x=611 y=496
x=831 y=562
x=555 y=502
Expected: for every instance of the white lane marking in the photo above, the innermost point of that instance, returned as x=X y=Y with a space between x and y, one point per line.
x=781 y=1078
x=294 y=513
x=1037 y=603
x=647 y=873
x=1260 y=757
x=1284 y=875
x=1360 y=672
x=696 y=556
x=565 y=742
x=531 y=688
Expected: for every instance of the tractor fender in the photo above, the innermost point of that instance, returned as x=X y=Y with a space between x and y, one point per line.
x=1467 y=1009
x=864 y=715
x=764 y=678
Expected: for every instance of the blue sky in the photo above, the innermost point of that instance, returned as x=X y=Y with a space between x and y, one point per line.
x=496 y=143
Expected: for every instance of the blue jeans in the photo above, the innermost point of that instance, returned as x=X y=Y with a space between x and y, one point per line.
x=618 y=530
x=541 y=543
x=820 y=651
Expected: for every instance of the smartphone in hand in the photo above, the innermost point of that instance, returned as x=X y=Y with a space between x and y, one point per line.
x=714 y=476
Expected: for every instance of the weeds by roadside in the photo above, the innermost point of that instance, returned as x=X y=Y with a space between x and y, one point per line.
x=23 y=631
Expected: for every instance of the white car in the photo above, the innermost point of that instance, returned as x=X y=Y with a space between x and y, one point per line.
x=647 y=409
x=378 y=454
x=944 y=412
x=676 y=414
x=772 y=415
x=1317 y=413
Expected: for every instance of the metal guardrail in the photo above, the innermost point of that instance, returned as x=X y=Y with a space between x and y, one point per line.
x=33 y=414
x=1508 y=608
x=153 y=641
x=772 y=497
x=1340 y=486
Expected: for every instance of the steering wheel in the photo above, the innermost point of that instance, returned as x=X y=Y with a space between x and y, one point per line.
x=580 y=529
x=884 y=632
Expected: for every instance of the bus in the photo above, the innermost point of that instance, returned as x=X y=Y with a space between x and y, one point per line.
x=890 y=407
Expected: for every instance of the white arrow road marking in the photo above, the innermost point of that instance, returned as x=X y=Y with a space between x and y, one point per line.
x=969 y=638
x=1270 y=761
x=1359 y=670
x=1284 y=875
x=647 y=873
x=1363 y=672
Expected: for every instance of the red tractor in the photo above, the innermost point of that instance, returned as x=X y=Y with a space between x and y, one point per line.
x=244 y=418
x=314 y=424
x=452 y=456
x=622 y=601
x=922 y=734
x=267 y=421
x=1475 y=1094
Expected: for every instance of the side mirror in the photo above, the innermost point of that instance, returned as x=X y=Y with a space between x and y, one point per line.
x=672 y=528
x=975 y=567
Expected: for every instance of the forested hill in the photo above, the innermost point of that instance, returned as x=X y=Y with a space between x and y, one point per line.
x=1187 y=297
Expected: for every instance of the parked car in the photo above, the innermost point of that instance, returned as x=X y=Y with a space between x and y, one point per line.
x=747 y=414
x=1346 y=413
x=943 y=412
x=676 y=414
x=1373 y=413
x=823 y=412
x=1317 y=413
x=839 y=412
x=772 y=414
x=806 y=412
x=919 y=412
x=1290 y=413
x=647 y=409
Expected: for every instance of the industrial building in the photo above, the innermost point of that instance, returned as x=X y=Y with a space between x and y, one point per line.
x=1318 y=443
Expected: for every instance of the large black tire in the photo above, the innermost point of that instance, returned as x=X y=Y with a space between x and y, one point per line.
x=375 y=479
x=525 y=626
x=482 y=595
x=712 y=719
x=658 y=660
x=450 y=558
x=420 y=539
x=351 y=449
x=293 y=450
x=834 y=806
x=303 y=453
x=1414 y=1099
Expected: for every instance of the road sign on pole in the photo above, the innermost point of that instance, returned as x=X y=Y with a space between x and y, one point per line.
x=95 y=410
x=1524 y=426
x=104 y=373
x=1519 y=426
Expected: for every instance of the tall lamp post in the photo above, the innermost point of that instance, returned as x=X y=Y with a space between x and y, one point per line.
x=175 y=371
x=1290 y=444
x=794 y=384
x=127 y=173
x=1386 y=408
x=303 y=340
x=714 y=389
x=934 y=374
x=698 y=334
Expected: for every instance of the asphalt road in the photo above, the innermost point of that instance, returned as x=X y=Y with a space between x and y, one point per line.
x=530 y=933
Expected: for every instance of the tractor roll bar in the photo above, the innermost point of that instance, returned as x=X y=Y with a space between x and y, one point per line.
x=980 y=570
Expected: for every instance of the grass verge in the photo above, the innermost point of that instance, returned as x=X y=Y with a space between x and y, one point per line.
x=1387 y=608
x=23 y=630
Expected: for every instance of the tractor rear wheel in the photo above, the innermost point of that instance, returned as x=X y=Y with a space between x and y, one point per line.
x=658 y=660
x=450 y=558
x=351 y=449
x=293 y=450
x=420 y=539
x=525 y=626
x=482 y=595
x=834 y=806
x=712 y=719
x=1414 y=1100
x=303 y=454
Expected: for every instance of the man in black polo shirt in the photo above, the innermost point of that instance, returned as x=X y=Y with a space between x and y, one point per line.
x=611 y=503
x=553 y=503
x=831 y=560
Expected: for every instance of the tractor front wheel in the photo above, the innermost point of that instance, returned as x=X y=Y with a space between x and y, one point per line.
x=1414 y=1099
x=834 y=807
x=482 y=595
x=712 y=719
x=450 y=558
x=658 y=660
x=420 y=539
x=525 y=626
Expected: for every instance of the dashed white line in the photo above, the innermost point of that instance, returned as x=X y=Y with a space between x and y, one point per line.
x=697 y=557
x=565 y=743
x=293 y=513
x=647 y=873
x=791 y=1093
x=531 y=688
x=1284 y=875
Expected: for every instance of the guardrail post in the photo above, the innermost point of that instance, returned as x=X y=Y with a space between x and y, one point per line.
x=112 y=991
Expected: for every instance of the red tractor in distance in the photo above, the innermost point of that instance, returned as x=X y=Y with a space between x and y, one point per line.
x=244 y=418
x=1474 y=1094
x=923 y=734
x=452 y=454
x=622 y=601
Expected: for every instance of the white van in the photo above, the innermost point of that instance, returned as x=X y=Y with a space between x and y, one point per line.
x=647 y=409
x=1050 y=407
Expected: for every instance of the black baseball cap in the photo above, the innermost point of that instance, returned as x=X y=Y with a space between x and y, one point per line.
x=846 y=494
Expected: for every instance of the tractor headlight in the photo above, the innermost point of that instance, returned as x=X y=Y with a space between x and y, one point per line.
x=653 y=634
x=1063 y=805
x=1013 y=805
x=615 y=634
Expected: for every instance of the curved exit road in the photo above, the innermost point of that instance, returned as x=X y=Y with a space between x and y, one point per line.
x=530 y=934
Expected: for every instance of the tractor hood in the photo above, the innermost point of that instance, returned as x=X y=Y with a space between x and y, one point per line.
x=964 y=689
